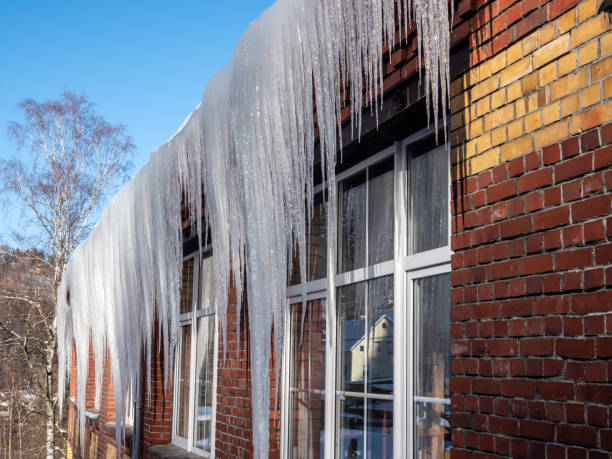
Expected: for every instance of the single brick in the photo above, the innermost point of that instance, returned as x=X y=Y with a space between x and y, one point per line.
x=592 y=117
x=590 y=29
x=569 y=84
x=551 y=134
x=551 y=51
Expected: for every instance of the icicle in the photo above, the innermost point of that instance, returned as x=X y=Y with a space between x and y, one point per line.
x=250 y=145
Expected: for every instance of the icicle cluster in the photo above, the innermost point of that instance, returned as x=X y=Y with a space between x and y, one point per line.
x=250 y=145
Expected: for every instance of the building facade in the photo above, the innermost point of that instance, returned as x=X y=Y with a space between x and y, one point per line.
x=472 y=307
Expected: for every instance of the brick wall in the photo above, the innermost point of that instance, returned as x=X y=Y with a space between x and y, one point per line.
x=531 y=298
x=233 y=434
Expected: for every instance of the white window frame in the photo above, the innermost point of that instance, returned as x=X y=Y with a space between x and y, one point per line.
x=191 y=318
x=405 y=268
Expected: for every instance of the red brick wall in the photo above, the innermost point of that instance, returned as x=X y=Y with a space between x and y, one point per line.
x=531 y=315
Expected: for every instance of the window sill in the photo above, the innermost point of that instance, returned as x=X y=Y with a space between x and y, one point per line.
x=170 y=452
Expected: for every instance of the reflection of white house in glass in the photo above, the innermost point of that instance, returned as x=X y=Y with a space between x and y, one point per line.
x=380 y=352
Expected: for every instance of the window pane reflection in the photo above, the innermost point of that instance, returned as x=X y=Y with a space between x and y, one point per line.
x=204 y=382
x=350 y=428
x=428 y=196
x=380 y=212
x=187 y=287
x=351 y=311
x=380 y=429
x=207 y=287
x=307 y=381
x=353 y=223
x=316 y=239
x=380 y=335
x=183 y=381
x=432 y=431
x=432 y=367
x=432 y=346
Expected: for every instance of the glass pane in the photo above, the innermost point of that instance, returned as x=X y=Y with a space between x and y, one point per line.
x=353 y=221
x=432 y=437
x=205 y=359
x=432 y=346
x=428 y=194
x=316 y=257
x=182 y=410
x=351 y=312
x=308 y=380
x=380 y=429
x=207 y=287
x=350 y=426
x=317 y=241
x=187 y=287
x=308 y=340
x=307 y=426
x=380 y=335
x=381 y=212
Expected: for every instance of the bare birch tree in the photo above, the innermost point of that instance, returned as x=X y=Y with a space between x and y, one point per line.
x=71 y=160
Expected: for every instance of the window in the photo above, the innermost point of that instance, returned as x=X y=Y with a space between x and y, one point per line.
x=195 y=366
x=367 y=359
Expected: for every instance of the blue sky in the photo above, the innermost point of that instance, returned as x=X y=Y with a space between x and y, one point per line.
x=144 y=64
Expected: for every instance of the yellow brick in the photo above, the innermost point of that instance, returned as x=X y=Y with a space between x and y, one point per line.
x=590 y=29
x=550 y=114
x=588 y=53
x=548 y=33
x=514 y=91
x=483 y=162
x=551 y=51
x=515 y=71
x=533 y=102
x=570 y=104
x=499 y=117
x=551 y=134
x=530 y=83
x=470 y=148
x=567 y=21
x=486 y=87
x=601 y=69
x=548 y=73
x=569 y=84
x=515 y=52
x=530 y=43
x=567 y=64
x=607 y=88
x=473 y=114
x=459 y=102
x=456 y=153
x=483 y=143
x=543 y=97
x=459 y=172
x=515 y=129
x=516 y=148
x=498 y=62
x=476 y=128
x=458 y=86
x=587 y=10
x=498 y=136
x=498 y=98
x=483 y=106
x=606 y=44
x=533 y=121
x=457 y=120
x=590 y=95
x=599 y=114
x=484 y=71
x=457 y=137
x=520 y=107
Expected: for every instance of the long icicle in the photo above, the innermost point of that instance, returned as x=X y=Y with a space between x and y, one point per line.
x=251 y=145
